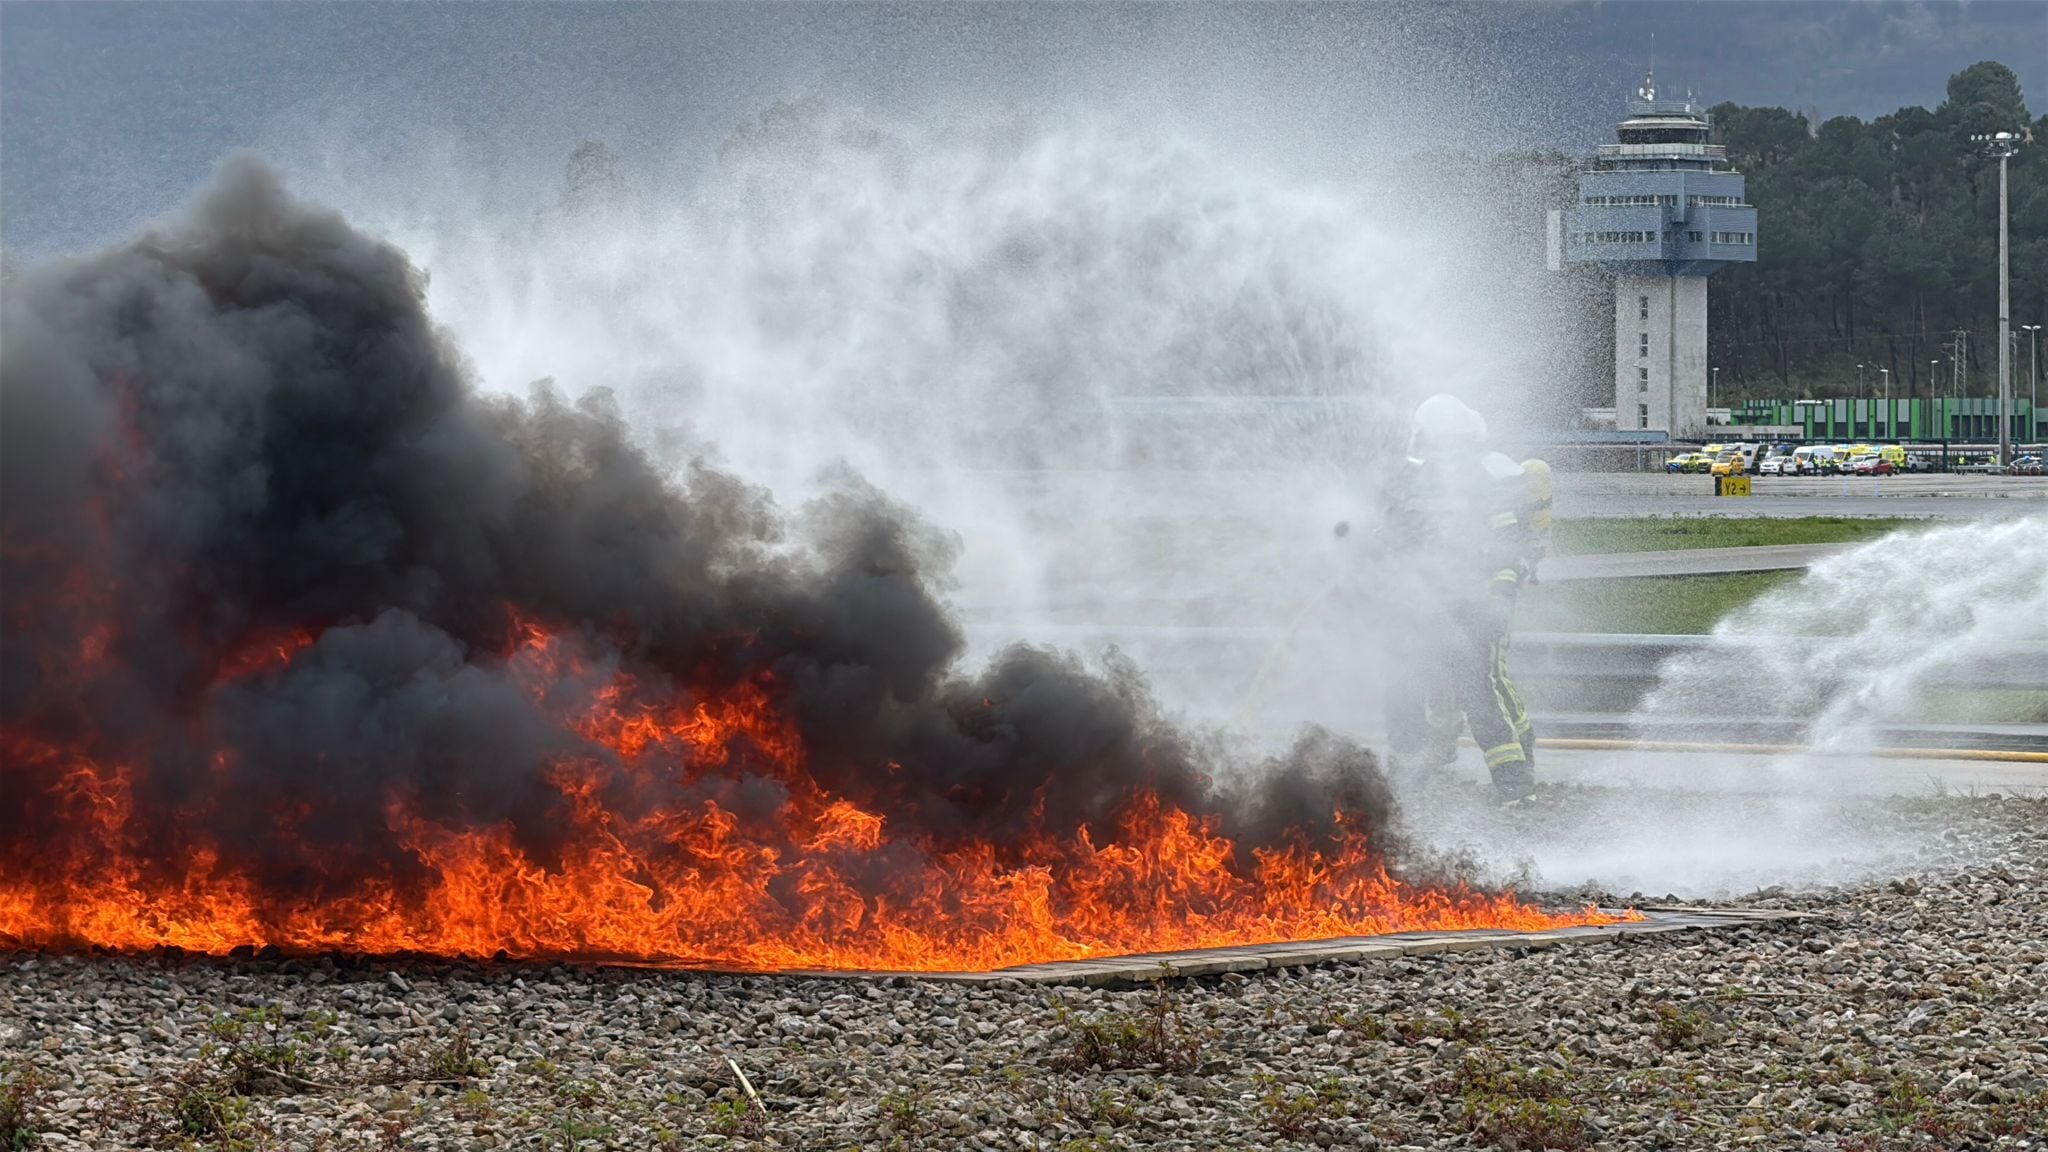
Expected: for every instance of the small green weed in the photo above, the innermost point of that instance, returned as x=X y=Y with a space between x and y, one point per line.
x=1159 y=1036
x=736 y=1117
x=450 y=1061
x=1293 y=1110
x=1103 y=1107
x=204 y=1108
x=473 y=1104
x=1683 y=1029
x=575 y=1130
x=581 y=1093
x=1512 y=1108
x=20 y=1086
x=907 y=1112
x=255 y=1051
x=1450 y=1025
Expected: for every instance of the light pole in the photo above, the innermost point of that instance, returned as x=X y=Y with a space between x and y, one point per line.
x=2033 y=383
x=2002 y=145
x=1716 y=382
x=1933 y=376
x=1890 y=433
x=1853 y=397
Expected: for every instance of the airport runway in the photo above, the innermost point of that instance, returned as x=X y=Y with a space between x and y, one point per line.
x=1615 y=494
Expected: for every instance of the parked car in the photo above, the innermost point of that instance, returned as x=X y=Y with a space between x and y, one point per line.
x=1872 y=465
x=1731 y=464
x=2026 y=466
x=1777 y=461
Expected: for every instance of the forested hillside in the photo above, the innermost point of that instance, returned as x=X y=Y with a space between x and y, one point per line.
x=1877 y=242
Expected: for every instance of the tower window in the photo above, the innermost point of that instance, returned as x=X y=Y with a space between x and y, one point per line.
x=1642 y=415
x=1642 y=379
x=1643 y=345
x=1642 y=307
x=1669 y=200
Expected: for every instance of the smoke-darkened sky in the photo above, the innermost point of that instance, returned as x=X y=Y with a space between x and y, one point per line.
x=111 y=113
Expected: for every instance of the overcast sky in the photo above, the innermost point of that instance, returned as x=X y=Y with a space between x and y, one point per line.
x=110 y=112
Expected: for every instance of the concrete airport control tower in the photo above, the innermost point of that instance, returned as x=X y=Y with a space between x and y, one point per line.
x=1662 y=210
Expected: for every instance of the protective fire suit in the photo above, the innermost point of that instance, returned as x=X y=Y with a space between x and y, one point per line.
x=1458 y=530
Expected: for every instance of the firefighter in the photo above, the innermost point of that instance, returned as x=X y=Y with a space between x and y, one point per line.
x=1458 y=530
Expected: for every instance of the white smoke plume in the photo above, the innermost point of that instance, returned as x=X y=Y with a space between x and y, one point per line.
x=1137 y=378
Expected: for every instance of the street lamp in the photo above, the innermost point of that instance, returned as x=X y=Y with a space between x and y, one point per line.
x=1933 y=378
x=2002 y=145
x=1890 y=433
x=2033 y=382
x=1861 y=394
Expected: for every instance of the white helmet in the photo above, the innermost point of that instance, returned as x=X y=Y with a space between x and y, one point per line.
x=1444 y=422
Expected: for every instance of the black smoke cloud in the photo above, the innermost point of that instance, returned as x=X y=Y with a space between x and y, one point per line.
x=244 y=423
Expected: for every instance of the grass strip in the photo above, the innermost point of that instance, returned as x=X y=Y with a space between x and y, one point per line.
x=1661 y=533
x=1675 y=605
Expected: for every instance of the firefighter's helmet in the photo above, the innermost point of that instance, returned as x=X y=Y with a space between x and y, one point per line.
x=1444 y=424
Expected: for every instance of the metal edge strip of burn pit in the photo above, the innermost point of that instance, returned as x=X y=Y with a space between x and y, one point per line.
x=1144 y=968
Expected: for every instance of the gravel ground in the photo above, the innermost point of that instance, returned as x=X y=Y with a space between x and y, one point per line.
x=1907 y=1012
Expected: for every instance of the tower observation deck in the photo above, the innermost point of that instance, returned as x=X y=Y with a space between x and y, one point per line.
x=1662 y=210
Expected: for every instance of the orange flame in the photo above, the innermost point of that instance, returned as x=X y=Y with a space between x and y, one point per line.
x=821 y=883
x=267 y=652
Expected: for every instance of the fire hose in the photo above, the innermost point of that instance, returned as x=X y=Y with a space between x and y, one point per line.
x=1998 y=755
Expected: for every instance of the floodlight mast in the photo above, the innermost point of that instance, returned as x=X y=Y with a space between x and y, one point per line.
x=2002 y=145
